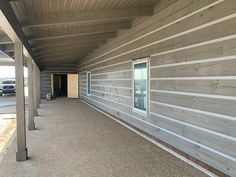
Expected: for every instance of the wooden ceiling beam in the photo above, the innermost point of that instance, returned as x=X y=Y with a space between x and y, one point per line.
x=56 y=60
x=10 y=53
x=64 y=49
x=74 y=60
x=64 y=53
x=71 y=58
x=83 y=16
x=60 y=59
x=5 y=40
x=84 y=38
x=81 y=30
x=57 y=63
x=68 y=60
x=7 y=63
x=8 y=49
x=66 y=44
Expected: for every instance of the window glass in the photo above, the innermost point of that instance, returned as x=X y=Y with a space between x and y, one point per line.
x=89 y=82
x=140 y=86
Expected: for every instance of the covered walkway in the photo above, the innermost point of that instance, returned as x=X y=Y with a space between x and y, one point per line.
x=74 y=139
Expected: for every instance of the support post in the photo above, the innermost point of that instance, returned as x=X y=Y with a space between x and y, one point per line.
x=21 y=153
x=38 y=87
x=35 y=89
x=31 y=125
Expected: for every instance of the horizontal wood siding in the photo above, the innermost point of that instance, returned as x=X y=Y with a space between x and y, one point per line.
x=45 y=83
x=192 y=50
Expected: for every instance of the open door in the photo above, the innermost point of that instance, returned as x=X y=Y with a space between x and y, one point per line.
x=59 y=85
x=73 y=91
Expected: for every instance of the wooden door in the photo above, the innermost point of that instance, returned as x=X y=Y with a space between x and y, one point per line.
x=52 y=85
x=72 y=82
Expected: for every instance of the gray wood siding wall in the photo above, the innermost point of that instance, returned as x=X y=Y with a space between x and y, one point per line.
x=46 y=77
x=192 y=49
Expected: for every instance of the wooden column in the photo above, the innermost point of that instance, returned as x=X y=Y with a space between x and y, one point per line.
x=21 y=153
x=31 y=125
x=35 y=89
x=38 y=87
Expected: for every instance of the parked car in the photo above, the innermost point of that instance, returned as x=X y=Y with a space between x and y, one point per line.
x=8 y=86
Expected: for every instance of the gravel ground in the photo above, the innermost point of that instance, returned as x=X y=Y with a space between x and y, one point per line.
x=7 y=128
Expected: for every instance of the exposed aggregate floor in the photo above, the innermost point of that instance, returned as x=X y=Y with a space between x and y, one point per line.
x=74 y=140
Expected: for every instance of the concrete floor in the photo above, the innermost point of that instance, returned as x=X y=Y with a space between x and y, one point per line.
x=74 y=140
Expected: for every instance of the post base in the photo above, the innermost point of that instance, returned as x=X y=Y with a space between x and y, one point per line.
x=22 y=155
x=36 y=113
x=31 y=126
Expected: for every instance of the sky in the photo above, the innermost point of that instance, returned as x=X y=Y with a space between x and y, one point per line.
x=9 y=72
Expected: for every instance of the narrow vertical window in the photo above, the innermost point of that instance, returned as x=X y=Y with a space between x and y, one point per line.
x=89 y=83
x=140 y=85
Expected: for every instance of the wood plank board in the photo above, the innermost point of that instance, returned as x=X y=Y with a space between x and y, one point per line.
x=72 y=81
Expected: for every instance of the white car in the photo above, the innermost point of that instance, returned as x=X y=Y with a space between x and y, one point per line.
x=8 y=86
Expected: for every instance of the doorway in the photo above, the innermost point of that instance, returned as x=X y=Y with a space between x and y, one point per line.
x=59 y=85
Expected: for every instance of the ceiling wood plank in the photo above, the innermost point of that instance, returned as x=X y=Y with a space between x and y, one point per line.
x=82 y=16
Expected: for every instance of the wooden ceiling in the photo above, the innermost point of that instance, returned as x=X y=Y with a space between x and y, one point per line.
x=63 y=31
x=6 y=45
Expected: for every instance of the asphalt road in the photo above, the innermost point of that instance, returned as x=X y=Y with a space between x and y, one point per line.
x=8 y=100
x=8 y=103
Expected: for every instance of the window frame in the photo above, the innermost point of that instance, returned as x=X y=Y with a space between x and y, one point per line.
x=136 y=110
x=88 y=84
